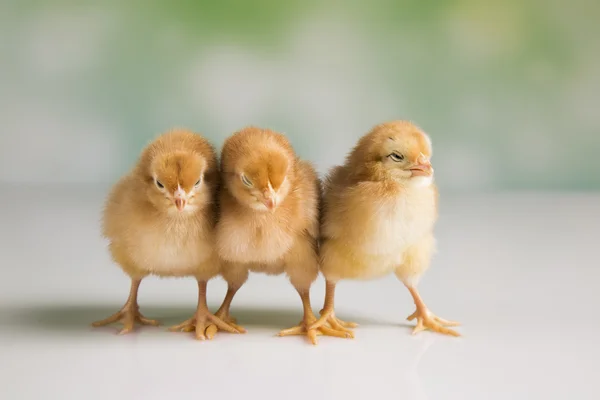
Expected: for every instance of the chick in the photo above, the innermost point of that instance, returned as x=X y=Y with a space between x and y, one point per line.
x=269 y=219
x=159 y=220
x=378 y=216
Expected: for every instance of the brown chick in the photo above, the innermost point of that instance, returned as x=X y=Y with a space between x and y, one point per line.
x=269 y=218
x=159 y=220
x=378 y=216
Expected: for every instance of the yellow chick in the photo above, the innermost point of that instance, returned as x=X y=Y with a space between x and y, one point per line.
x=378 y=216
x=269 y=219
x=159 y=220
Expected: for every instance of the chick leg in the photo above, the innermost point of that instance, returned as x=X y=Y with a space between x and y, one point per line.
x=203 y=319
x=426 y=319
x=328 y=314
x=223 y=313
x=305 y=328
x=129 y=314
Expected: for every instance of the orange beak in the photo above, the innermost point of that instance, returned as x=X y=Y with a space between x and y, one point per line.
x=422 y=169
x=270 y=199
x=180 y=203
x=269 y=202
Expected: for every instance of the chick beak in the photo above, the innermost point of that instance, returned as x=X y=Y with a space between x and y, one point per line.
x=270 y=200
x=180 y=203
x=180 y=199
x=422 y=169
x=269 y=203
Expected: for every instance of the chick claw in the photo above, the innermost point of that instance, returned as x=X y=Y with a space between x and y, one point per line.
x=128 y=316
x=427 y=320
x=206 y=325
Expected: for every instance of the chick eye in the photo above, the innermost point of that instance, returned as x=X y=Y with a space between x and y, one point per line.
x=160 y=185
x=198 y=183
x=246 y=181
x=396 y=157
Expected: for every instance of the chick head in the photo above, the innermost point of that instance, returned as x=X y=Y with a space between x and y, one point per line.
x=397 y=150
x=180 y=172
x=257 y=165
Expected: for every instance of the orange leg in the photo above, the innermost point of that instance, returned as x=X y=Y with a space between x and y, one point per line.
x=203 y=319
x=129 y=314
x=328 y=315
x=223 y=313
x=426 y=319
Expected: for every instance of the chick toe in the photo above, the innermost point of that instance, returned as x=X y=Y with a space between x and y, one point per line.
x=310 y=327
x=211 y=331
x=229 y=320
x=427 y=320
x=343 y=323
x=113 y=318
x=182 y=326
x=146 y=321
x=328 y=321
x=341 y=328
x=302 y=329
x=206 y=326
x=128 y=316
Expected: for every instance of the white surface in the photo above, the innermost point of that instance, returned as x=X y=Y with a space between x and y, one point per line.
x=520 y=272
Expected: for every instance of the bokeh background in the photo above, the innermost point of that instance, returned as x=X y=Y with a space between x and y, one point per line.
x=509 y=91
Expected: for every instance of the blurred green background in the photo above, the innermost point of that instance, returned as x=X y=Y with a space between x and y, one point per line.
x=508 y=91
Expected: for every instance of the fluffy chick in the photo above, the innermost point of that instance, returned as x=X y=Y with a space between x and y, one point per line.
x=159 y=220
x=378 y=217
x=269 y=217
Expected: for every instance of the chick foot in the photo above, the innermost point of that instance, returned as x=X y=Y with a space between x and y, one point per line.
x=427 y=320
x=204 y=323
x=212 y=329
x=129 y=314
x=341 y=328
x=223 y=314
x=307 y=326
x=338 y=322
